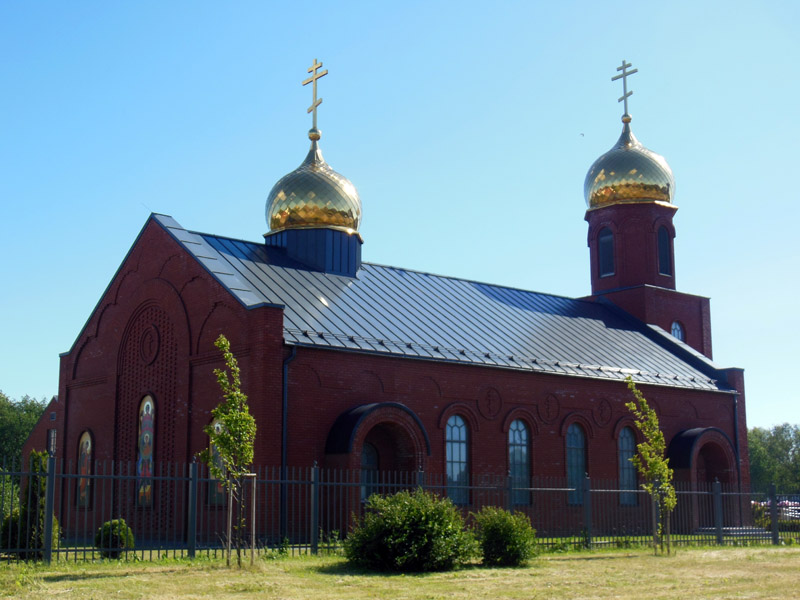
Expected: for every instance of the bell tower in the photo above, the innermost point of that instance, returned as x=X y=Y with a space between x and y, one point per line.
x=629 y=195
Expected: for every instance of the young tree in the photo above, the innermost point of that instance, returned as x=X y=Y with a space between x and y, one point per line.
x=233 y=441
x=653 y=466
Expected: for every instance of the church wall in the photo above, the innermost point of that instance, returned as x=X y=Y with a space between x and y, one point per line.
x=324 y=384
x=152 y=333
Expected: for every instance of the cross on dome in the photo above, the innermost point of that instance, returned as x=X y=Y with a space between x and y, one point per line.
x=624 y=76
x=313 y=79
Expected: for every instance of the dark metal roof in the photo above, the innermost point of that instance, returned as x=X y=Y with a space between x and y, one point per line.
x=393 y=311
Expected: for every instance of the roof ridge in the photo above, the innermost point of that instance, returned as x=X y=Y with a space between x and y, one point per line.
x=420 y=272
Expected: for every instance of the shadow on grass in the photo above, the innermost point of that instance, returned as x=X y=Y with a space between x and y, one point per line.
x=582 y=558
x=344 y=569
x=88 y=576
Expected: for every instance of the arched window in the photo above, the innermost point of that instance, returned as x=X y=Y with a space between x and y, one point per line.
x=457 y=446
x=84 y=470
x=664 y=252
x=576 y=463
x=216 y=490
x=605 y=252
x=677 y=331
x=369 y=470
x=144 y=459
x=519 y=461
x=626 y=448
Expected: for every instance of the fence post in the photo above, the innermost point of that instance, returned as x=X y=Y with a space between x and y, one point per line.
x=192 y=525
x=49 y=501
x=509 y=493
x=314 y=508
x=773 y=514
x=284 y=500
x=421 y=479
x=587 y=511
x=716 y=489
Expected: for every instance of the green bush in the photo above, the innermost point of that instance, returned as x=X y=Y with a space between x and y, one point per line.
x=410 y=532
x=9 y=494
x=505 y=539
x=113 y=538
x=23 y=529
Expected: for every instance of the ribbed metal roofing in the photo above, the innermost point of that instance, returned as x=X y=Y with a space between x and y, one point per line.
x=393 y=311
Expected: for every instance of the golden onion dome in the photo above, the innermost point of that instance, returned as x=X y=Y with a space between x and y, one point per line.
x=628 y=172
x=313 y=196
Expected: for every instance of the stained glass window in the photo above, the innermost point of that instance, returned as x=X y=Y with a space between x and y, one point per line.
x=84 y=469
x=576 y=463
x=519 y=461
x=216 y=490
x=146 y=446
x=626 y=445
x=457 y=446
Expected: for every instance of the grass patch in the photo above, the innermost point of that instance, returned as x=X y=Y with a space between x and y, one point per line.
x=764 y=572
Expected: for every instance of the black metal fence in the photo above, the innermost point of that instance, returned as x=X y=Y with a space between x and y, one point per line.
x=56 y=513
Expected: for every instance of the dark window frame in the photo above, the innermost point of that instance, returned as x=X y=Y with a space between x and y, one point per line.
x=664 y=252
x=519 y=461
x=606 y=265
x=457 y=459
x=626 y=449
x=577 y=461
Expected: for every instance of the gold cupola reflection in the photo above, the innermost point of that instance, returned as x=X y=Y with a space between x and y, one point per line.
x=628 y=172
x=313 y=196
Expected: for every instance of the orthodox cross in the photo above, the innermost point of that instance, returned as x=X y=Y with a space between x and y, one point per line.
x=624 y=77
x=313 y=79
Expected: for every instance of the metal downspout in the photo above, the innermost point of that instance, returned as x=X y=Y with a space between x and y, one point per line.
x=285 y=441
x=736 y=441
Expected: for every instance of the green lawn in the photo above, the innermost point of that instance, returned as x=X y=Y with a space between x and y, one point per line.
x=697 y=573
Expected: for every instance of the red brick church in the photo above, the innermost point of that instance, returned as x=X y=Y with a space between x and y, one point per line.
x=373 y=368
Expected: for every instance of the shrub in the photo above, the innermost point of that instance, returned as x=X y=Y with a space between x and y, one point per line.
x=113 y=537
x=410 y=532
x=9 y=494
x=23 y=529
x=506 y=539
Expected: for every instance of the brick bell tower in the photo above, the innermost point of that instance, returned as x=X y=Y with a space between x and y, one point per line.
x=629 y=193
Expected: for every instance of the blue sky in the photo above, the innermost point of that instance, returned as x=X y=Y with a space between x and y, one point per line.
x=467 y=129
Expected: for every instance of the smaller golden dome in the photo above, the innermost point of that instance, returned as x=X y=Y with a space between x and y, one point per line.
x=628 y=172
x=313 y=196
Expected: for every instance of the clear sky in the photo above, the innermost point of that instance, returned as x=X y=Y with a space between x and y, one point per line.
x=467 y=127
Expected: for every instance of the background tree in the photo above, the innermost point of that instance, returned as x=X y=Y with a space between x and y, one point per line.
x=234 y=441
x=775 y=458
x=17 y=419
x=653 y=465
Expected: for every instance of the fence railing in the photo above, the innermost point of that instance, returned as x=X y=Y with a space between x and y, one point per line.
x=180 y=510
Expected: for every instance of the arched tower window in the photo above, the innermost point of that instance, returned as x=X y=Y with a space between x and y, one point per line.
x=605 y=252
x=626 y=448
x=677 y=331
x=576 y=462
x=84 y=470
x=664 y=252
x=369 y=470
x=144 y=456
x=457 y=446
x=519 y=461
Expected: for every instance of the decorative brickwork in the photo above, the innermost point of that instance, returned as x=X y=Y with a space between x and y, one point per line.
x=148 y=365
